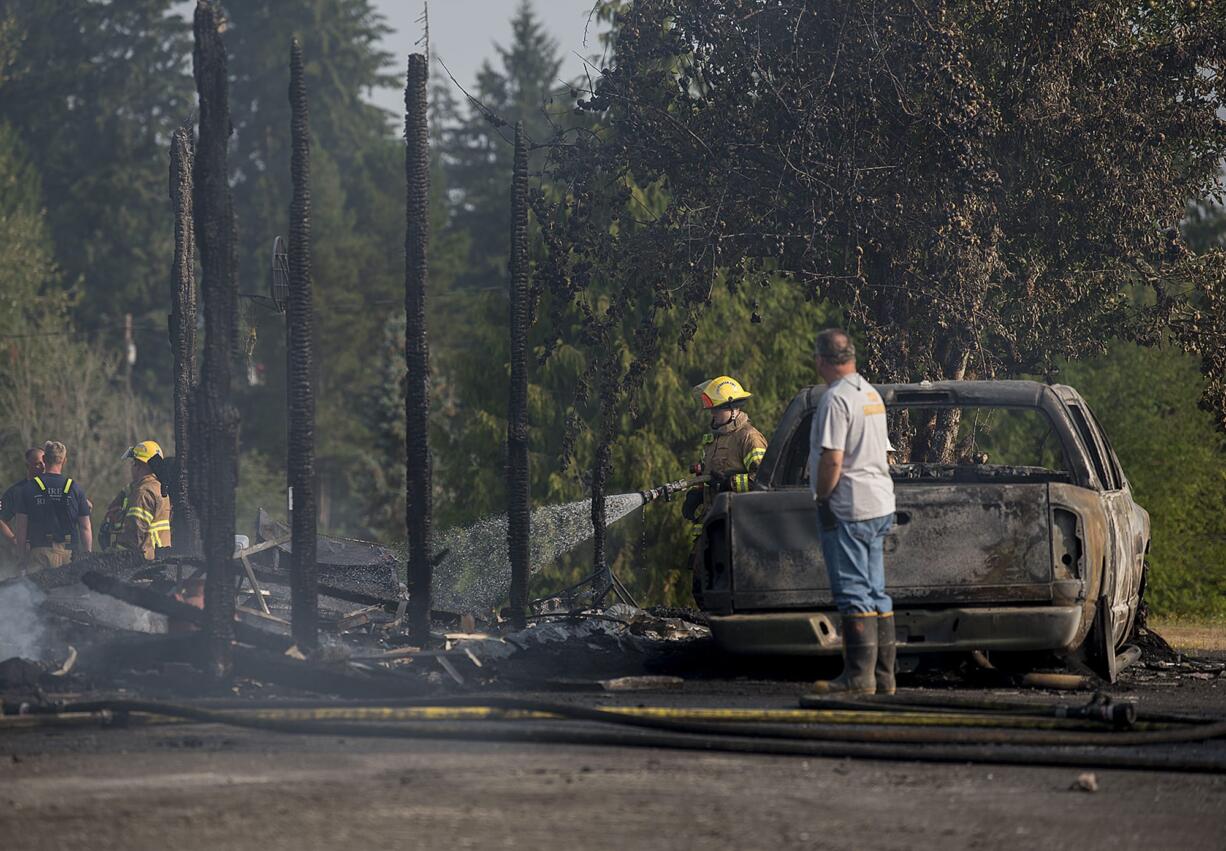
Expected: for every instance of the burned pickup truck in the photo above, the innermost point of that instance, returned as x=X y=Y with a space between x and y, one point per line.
x=1015 y=531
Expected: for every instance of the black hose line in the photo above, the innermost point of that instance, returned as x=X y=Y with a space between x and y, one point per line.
x=930 y=746
x=959 y=703
x=812 y=731
x=1121 y=715
x=951 y=704
x=1183 y=735
x=545 y=734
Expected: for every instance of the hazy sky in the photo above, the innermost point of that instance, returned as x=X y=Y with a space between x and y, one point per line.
x=464 y=33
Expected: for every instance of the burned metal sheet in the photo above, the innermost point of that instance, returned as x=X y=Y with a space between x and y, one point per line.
x=950 y=544
x=362 y=566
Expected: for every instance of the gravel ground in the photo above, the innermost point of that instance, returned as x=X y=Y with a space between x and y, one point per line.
x=216 y=787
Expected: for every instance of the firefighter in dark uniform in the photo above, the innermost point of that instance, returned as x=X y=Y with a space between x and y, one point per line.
x=733 y=450
x=139 y=517
x=10 y=558
x=52 y=515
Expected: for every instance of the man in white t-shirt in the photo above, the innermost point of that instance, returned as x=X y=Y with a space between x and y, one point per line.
x=849 y=474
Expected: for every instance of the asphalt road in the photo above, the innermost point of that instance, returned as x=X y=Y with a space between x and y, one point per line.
x=192 y=787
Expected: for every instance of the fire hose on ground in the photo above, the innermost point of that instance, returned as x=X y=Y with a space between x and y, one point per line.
x=887 y=730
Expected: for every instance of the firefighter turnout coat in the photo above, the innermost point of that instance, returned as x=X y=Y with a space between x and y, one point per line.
x=734 y=450
x=140 y=517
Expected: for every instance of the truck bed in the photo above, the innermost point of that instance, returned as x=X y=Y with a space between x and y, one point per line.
x=984 y=544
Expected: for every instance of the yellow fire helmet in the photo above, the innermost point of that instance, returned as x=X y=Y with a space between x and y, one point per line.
x=721 y=391
x=144 y=451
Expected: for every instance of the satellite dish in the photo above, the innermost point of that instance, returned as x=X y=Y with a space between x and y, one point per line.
x=278 y=278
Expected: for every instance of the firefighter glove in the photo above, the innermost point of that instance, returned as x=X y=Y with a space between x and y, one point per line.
x=691 y=509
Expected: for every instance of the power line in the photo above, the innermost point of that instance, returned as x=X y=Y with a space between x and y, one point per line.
x=80 y=332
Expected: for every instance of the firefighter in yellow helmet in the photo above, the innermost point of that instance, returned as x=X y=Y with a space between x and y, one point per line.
x=733 y=448
x=139 y=517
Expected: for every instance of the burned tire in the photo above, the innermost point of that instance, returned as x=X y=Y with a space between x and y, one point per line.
x=1097 y=652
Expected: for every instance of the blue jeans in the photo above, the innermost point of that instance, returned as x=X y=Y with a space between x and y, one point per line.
x=853 y=554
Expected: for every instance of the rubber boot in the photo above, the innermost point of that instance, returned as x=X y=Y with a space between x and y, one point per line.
x=859 y=657
x=886 y=653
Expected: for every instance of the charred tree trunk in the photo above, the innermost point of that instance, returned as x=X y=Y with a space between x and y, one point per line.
x=519 y=518
x=300 y=331
x=600 y=562
x=944 y=442
x=219 y=420
x=416 y=349
x=186 y=537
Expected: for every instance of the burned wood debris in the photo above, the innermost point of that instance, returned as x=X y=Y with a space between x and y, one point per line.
x=363 y=649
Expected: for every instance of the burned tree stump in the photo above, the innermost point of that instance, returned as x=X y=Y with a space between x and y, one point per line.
x=300 y=330
x=600 y=562
x=416 y=350
x=215 y=231
x=519 y=517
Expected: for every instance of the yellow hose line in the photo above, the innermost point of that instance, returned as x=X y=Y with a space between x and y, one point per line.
x=699 y=714
x=707 y=714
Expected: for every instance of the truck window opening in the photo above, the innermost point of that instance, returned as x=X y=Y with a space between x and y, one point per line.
x=937 y=443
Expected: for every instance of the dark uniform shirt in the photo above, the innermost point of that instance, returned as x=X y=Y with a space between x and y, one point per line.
x=8 y=502
x=52 y=513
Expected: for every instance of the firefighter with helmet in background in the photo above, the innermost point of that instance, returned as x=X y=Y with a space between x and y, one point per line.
x=139 y=517
x=733 y=450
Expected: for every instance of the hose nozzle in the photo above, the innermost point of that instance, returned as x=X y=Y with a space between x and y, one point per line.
x=665 y=491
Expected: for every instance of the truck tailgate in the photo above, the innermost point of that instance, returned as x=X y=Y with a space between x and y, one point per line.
x=950 y=544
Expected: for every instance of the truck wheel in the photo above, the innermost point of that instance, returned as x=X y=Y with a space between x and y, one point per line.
x=1098 y=651
x=1140 y=618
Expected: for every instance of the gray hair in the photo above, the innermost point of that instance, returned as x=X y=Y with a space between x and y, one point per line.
x=54 y=452
x=835 y=347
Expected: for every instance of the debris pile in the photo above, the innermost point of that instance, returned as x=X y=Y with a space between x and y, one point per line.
x=1182 y=666
x=140 y=627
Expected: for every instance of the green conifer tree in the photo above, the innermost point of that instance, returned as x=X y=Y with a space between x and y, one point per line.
x=478 y=149
x=94 y=92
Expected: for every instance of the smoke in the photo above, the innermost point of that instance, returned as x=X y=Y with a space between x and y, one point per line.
x=78 y=603
x=22 y=632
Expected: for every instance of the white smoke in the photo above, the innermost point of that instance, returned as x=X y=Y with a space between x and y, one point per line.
x=79 y=603
x=22 y=631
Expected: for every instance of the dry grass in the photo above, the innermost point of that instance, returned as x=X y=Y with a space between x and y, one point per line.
x=1186 y=634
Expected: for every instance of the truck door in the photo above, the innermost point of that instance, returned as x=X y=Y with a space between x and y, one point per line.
x=1117 y=582
x=1129 y=550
